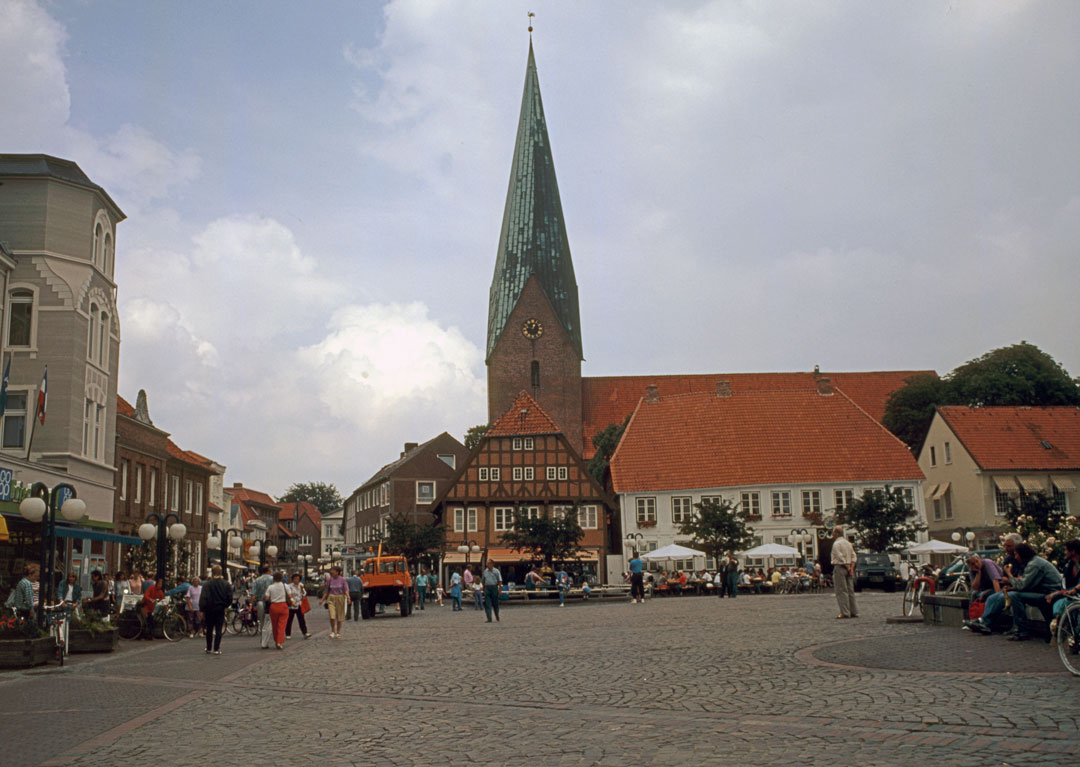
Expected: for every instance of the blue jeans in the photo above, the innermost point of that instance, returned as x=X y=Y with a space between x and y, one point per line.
x=1019 y=600
x=491 y=601
x=562 y=595
x=995 y=603
x=420 y=594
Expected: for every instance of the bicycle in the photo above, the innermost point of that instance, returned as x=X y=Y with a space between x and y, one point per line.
x=1068 y=636
x=245 y=620
x=173 y=624
x=914 y=592
x=56 y=616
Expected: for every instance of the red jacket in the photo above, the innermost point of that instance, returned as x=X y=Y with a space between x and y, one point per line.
x=150 y=597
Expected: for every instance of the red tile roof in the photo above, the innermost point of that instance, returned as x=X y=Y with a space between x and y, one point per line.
x=608 y=400
x=254 y=496
x=524 y=417
x=186 y=456
x=285 y=532
x=123 y=407
x=1011 y=437
x=756 y=438
x=300 y=509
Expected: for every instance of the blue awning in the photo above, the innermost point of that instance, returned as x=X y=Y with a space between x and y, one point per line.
x=96 y=535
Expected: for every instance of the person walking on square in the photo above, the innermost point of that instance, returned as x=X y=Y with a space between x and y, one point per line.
x=637 y=580
x=731 y=575
x=356 y=593
x=337 y=596
x=191 y=601
x=258 y=601
x=421 y=584
x=215 y=598
x=297 y=607
x=278 y=602
x=455 y=590
x=492 y=580
x=843 y=562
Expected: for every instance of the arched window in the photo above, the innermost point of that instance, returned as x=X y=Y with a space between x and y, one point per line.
x=103 y=341
x=106 y=261
x=20 y=317
x=535 y=374
x=92 y=333
x=95 y=257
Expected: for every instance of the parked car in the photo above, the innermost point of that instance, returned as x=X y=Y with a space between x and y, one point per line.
x=877 y=571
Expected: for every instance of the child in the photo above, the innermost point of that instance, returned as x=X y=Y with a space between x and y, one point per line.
x=477 y=592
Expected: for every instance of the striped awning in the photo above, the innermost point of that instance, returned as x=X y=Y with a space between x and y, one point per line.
x=1032 y=484
x=930 y=490
x=1007 y=485
x=941 y=491
x=1063 y=484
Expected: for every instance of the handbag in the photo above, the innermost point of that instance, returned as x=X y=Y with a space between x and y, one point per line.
x=975 y=609
x=304 y=606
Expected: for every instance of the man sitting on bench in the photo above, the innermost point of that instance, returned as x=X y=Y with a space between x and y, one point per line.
x=1040 y=578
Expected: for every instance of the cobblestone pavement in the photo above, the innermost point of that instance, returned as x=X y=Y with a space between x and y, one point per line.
x=690 y=681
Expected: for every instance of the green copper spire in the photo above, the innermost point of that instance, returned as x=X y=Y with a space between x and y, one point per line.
x=533 y=238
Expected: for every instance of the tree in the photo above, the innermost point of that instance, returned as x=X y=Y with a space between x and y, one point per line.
x=1016 y=375
x=475 y=434
x=605 y=441
x=717 y=528
x=411 y=539
x=1043 y=525
x=883 y=520
x=325 y=497
x=548 y=539
x=910 y=409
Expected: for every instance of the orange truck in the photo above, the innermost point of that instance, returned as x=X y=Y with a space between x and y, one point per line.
x=387 y=581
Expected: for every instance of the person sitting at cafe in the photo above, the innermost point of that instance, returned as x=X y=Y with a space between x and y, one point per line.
x=1040 y=578
x=71 y=592
x=99 y=598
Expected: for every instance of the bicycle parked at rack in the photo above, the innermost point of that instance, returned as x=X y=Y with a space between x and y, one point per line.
x=56 y=617
x=246 y=620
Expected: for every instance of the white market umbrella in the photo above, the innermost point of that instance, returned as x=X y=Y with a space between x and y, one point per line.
x=771 y=550
x=673 y=551
x=937 y=547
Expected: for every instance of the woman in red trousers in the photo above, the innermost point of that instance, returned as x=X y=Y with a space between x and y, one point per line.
x=277 y=597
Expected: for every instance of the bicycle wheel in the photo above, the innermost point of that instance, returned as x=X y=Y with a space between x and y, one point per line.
x=909 y=598
x=129 y=624
x=1068 y=638
x=174 y=627
x=236 y=625
x=251 y=626
x=230 y=616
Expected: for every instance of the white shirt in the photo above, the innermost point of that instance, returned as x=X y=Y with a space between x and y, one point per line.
x=275 y=593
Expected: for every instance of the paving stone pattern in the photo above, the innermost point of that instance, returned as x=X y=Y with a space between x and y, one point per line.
x=678 y=681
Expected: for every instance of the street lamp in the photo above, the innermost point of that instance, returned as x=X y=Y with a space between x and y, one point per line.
x=224 y=540
x=801 y=536
x=306 y=560
x=157 y=525
x=35 y=509
x=262 y=551
x=964 y=533
x=467 y=548
x=634 y=539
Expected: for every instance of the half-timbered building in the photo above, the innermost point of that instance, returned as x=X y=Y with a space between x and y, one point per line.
x=524 y=462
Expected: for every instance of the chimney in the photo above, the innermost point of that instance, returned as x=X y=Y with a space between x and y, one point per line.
x=723 y=388
x=652 y=393
x=237 y=484
x=409 y=446
x=824 y=386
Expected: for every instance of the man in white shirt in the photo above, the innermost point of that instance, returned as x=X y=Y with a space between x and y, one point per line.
x=843 y=574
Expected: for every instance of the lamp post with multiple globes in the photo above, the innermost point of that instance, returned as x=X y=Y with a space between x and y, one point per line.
x=41 y=506
x=158 y=525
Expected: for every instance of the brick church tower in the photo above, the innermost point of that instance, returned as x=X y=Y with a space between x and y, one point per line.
x=534 y=329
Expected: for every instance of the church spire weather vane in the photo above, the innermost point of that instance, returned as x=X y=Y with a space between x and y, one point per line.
x=531 y=17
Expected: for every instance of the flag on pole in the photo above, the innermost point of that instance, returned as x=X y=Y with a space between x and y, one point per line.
x=42 y=396
x=4 y=385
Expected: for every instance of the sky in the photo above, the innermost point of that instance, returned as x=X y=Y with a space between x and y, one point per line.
x=314 y=194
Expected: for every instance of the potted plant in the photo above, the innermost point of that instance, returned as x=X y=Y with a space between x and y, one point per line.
x=89 y=633
x=646 y=523
x=23 y=644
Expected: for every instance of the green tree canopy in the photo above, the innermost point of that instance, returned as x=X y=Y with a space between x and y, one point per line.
x=548 y=539
x=605 y=441
x=475 y=434
x=717 y=528
x=323 y=496
x=412 y=539
x=1016 y=375
x=882 y=520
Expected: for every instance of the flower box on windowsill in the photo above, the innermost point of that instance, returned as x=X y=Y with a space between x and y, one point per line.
x=753 y=517
x=646 y=523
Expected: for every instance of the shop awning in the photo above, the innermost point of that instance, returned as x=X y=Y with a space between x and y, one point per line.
x=941 y=491
x=96 y=535
x=1007 y=485
x=1032 y=484
x=1063 y=484
x=930 y=490
x=4 y=536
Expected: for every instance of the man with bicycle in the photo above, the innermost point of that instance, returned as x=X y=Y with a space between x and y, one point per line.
x=1058 y=600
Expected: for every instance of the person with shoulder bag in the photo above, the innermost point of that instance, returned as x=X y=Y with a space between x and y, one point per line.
x=278 y=601
x=298 y=607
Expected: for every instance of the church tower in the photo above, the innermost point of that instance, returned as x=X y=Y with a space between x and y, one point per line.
x=534 y=329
